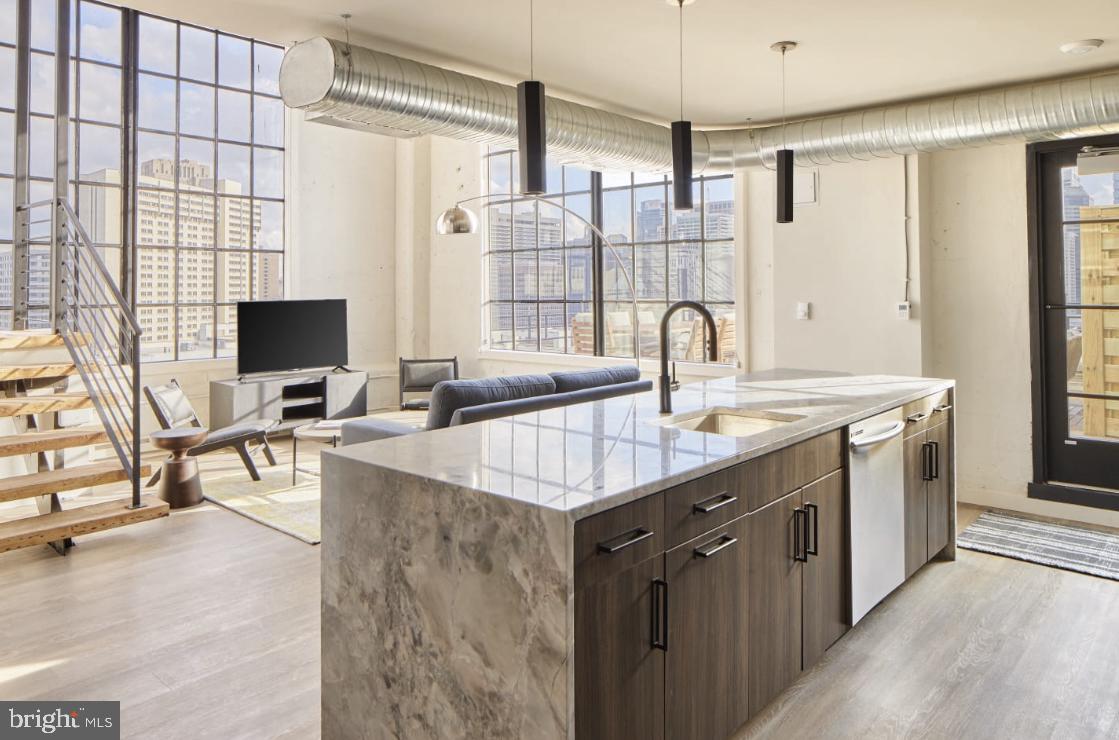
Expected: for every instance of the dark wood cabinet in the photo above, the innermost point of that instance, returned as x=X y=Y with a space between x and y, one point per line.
x=939 y=488
x=916 y=502
x=928 y=488
x=695 y=607
x=706 y=665
x=619 y=672
x=825 y=610
x=775 y=598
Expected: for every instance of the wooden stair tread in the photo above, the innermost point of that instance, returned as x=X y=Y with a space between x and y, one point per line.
x=39 y=530
x=24 y=405
x=54 y=439
x=37 y=370
x=31 y=485
x=31 y=339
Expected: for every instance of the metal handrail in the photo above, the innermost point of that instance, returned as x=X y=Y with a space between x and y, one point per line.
x=102 y=334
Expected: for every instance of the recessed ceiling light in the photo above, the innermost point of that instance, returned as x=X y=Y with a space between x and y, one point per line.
x=1083 y=46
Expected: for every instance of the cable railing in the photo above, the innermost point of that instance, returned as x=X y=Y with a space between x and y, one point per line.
x=101 y=333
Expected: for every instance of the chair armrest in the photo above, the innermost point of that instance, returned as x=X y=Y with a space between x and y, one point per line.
x=369 y=430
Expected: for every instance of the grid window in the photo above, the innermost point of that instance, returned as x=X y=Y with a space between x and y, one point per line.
x=209 y=186
x=541 y=266
x=207 y=192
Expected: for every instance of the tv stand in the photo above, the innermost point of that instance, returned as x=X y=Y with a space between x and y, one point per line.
x=291 y=399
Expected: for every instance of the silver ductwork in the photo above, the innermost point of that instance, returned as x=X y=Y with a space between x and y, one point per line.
x=361 y=88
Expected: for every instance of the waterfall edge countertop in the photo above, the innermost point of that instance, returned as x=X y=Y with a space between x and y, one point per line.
x=587 y=458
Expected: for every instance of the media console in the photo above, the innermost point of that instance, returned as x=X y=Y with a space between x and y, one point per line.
x=291 y=399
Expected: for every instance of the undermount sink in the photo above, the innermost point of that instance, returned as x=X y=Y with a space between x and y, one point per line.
x=728 y=421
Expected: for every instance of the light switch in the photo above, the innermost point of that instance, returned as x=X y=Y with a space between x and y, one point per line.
x=904 y=310
x=804 y=311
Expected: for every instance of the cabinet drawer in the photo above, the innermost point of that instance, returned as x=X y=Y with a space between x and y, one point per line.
x=700 y=505
x=610 y=542
x=774 y=475
x=927 y=412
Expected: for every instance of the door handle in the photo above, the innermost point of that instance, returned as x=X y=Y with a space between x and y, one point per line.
x=623 y=541
x=660 y=614
x=800 y=535
x=717 y=501
x=926 y=461
x=708 y=549
x=815 y=510
x=935 y=460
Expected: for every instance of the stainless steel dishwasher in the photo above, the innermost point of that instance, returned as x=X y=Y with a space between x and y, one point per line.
x=875 y=459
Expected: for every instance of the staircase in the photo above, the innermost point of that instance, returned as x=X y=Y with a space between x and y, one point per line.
x=88 y=363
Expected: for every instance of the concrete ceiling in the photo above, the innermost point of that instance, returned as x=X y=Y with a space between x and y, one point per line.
x=622 y=54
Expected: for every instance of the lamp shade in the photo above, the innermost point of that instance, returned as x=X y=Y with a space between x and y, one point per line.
x=457 y=220
x=682 y=165
x=532 y=137
x=784 y=186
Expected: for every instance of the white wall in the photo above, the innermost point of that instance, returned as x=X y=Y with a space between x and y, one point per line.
x=846 y=256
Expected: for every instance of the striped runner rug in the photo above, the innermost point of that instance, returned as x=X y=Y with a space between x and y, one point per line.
x=1058 y=545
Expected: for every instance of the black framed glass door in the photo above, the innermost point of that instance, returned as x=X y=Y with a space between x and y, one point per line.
x=1077 y=278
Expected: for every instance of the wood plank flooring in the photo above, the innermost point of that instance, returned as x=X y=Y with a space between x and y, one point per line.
x=206 y=624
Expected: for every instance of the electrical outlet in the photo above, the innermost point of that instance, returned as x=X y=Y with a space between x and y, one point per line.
x=904 y=310
x=804 y=311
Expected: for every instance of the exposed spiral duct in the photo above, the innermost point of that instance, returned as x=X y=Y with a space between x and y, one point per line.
x=362 y=88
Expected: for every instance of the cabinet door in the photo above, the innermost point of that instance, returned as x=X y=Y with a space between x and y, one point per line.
x=774 y=598
x=916 y=504
x=706 y=665
x=939 y=489
x=619 y=674
x=825 y=573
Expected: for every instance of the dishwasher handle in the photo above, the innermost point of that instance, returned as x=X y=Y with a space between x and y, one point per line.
x=897 y=428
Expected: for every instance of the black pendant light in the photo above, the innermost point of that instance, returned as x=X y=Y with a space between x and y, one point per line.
x=532 y=131
x=784 y=154
x=682 y=141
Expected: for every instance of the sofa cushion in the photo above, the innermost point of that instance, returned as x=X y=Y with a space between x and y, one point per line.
x=451 y=395
x=487 y=411
x=369 y=430
x=577 y=380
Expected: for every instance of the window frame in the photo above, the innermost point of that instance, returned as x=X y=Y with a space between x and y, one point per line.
x=123 y=232
x=601 y=296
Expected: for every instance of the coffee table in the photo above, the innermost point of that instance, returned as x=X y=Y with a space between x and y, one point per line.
x=311 y=433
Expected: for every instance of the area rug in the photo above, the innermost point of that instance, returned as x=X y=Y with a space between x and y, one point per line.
x=272 y=501
x=1063 y=546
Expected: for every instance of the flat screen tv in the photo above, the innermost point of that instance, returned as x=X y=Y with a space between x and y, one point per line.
x=290 y=335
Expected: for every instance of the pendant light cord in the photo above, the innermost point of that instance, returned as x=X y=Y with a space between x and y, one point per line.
x=681 y=46
x=784 y=132
x=531 y=39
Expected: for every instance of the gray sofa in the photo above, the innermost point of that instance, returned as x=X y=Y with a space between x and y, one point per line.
x=455 y=402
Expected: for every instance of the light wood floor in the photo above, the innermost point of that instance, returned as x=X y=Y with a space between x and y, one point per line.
x=207 y=625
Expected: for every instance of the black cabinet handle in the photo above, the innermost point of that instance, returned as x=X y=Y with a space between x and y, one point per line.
x=660 y=614
x=708 y=549
x=815 y=510
x=717 y=501
x=926 y=461
x=935 y=460
x=800 y=535
x=623 y=541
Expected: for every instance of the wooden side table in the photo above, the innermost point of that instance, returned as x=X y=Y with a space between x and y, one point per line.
x=179 y=483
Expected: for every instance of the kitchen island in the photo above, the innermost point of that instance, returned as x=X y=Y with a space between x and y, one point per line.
x=600 y=570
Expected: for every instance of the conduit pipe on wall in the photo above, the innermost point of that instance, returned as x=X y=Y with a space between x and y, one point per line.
x=362 y=88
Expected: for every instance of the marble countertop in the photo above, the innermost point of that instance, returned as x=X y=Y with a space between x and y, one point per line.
x=590 y=457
